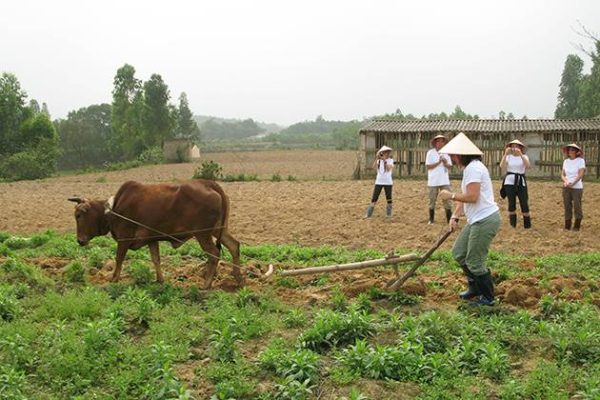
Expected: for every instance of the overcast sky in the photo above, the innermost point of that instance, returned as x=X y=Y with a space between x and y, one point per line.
x=284 y=62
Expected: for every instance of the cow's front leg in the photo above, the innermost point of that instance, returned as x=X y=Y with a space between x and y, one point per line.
x=122 y=248
x=155 y=255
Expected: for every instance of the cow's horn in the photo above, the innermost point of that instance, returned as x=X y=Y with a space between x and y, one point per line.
x=76 y=199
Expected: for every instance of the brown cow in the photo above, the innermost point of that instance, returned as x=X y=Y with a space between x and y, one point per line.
x=141 y=215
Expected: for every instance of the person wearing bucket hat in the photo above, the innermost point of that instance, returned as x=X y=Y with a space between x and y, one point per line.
x=384 y=164
x=437 y=175
x=476 y=202
x=515 y=162
x=573 y=169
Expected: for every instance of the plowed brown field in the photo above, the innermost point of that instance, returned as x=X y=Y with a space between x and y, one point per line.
x=324 y=207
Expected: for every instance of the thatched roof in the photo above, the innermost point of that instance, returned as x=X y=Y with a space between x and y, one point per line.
x=483 y=125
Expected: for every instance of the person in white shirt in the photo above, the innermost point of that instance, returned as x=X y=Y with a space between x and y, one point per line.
x=572 y=173
x=476 y=202
x=437 y=175
x=384 y=164
x=515 y=162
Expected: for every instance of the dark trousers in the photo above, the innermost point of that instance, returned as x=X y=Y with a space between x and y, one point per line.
x=377 y=192
x=512 y=192
x=572 y=200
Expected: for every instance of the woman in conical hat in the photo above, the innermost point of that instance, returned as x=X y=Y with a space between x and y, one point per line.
x=476 y=202
x=515 y=162
x=383 y=164
x=572 y=176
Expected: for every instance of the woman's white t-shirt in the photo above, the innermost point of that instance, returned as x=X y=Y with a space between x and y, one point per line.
x=571 y=168
x=437 y=176
x=384 y=177
x=516 y=165
x=485 y=206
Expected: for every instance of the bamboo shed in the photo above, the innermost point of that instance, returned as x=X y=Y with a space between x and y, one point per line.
x=544 y=138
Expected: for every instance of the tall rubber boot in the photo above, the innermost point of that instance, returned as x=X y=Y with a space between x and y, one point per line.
x=577 y=224
x=567 y=224
x=388 y=211
x=369 y=213
x=448 y=215
x=431 y=216
x=513 y=220
x=526 y=221
x=486 y=287
x=473 y=290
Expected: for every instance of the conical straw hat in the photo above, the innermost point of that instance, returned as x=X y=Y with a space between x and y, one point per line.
x=461 y=144
x=565 y=149
x=438 y=137
x=516 y=141
x=384 y=148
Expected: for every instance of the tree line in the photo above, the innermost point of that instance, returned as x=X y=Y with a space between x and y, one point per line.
x=136 y=124
x=579 y=93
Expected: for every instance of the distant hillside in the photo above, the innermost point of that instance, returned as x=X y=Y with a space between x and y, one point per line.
x=266 y=128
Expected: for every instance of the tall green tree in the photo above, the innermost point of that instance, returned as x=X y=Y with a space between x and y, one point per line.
x=570 y=83
x=589 y=97
x=186 y=126
x=127 y=110
x=85 y=137
x=158 y=120
x=12 y=112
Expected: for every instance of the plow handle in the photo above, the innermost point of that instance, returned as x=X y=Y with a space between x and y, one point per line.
x=393 y=285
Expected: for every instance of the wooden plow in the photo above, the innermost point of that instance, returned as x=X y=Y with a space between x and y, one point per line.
x=394 y=260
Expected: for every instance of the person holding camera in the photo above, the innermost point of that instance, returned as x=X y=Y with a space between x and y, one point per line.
x=437 y=175
x=515 y=162
x=572 y=174
x=384 y=163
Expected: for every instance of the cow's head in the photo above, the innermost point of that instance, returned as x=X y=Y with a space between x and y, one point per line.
x=90 y=218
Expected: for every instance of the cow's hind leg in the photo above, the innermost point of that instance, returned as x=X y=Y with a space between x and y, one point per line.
x=214 y=254
x=234 y=248
x=122 y=248
x=155 y=255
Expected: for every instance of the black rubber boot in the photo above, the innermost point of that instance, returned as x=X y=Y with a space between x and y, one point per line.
x=513 y=220
x=486 y=287
x=577 y=224
x=567 y=224
x=388 y=211
x=448 y=215
x=431 y=216
x=526 y=221
x=473 y=290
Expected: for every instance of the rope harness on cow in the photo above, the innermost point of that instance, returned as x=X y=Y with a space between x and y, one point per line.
x=109 y=210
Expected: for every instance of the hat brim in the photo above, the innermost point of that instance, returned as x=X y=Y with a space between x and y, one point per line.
x=565 y=150
x=433 y=139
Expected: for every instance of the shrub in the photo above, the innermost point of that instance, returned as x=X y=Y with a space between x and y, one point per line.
x=25 y=165
x=223 y=343
x=209 y=169
x=16 y=243
x=294 y=319
x=140 y=272
x=276 y=178
x=292 y=389
x=9 y=305
x=12 y=383
x=153 y=155
x=75 y=272
x=332 y=328
x=299 y=365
